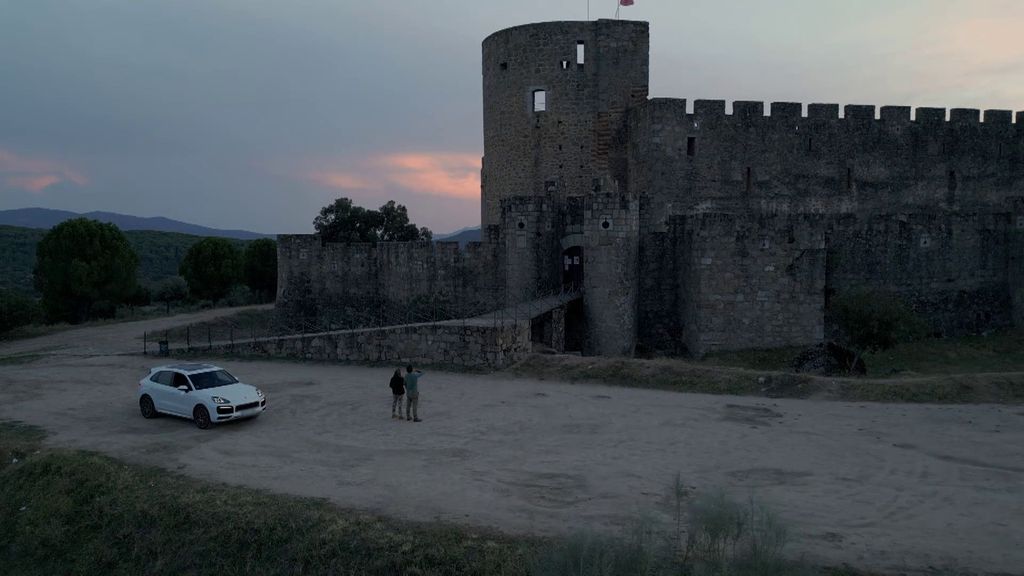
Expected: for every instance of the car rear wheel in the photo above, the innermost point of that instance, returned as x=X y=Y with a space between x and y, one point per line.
x=201 y=416
x=147 y=408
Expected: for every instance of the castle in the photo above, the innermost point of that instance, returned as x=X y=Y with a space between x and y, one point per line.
x=703 y=231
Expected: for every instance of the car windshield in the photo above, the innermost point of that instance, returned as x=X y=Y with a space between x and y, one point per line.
x=213 y=379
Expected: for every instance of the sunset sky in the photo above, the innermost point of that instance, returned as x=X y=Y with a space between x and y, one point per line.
x=255 y=113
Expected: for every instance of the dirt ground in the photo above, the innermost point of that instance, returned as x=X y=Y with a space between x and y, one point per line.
x=883 y=486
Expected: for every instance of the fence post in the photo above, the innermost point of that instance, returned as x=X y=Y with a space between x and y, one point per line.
x=188 y=338
x=145 y=351
x=231 y=336
x=209 y=338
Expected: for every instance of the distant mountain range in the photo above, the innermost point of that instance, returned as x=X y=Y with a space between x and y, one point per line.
x=463 y=236
x=47 y=218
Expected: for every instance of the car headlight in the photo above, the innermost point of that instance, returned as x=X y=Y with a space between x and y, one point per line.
x=259 y=393
x=219 y=400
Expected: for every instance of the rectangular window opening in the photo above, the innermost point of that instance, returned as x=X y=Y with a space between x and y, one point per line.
x=504 y=65
x=691 y=146
x=849 y=179
x=540 y=100
x=750 y=180
x=581 y=52
x=810 y=145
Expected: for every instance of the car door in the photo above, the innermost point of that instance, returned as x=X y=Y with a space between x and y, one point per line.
x=180 y=402
x=159 y=390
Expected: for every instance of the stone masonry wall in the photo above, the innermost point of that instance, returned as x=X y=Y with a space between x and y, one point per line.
x=752 y=282
x=579 y=138
x=951 y=268
x=357 y=285
x=475 y=346
x=710 y=161
x=611 y=224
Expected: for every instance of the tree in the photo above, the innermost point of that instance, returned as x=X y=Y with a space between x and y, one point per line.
x=211 y=267
x=342 y=221
x=261 y=268
x=169 y=290
x=84 y=269
x=871 y=321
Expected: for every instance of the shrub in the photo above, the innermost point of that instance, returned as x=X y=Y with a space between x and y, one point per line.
x=239 y=296
x=17 y=310
x=871 y=321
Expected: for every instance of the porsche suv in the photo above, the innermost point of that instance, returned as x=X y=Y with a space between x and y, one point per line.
x=204 y=393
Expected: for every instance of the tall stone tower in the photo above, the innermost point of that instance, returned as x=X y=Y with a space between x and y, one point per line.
x=555 y=96
x=555 y=167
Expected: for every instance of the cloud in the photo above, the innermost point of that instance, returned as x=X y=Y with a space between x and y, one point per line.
x=449 y=174
x=35 y=174
x=446 y=174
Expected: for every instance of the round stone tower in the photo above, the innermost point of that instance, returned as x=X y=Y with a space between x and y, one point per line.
x=555 y=96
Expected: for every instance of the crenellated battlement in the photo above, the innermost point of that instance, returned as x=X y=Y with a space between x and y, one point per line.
x=756 y=111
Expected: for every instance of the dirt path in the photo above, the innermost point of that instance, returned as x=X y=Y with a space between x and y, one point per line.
x=879 y=486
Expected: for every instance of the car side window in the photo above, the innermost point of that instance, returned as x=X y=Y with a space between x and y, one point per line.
x=163 y=377
x=180 y=380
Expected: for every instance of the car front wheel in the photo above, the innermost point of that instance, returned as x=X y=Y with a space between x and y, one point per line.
x=201 y=416
x=147 y=408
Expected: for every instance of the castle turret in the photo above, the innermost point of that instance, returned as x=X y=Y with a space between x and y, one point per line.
x=555 y=96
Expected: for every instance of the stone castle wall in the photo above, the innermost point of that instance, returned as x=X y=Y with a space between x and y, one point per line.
x=710 y=161
x=336 y=285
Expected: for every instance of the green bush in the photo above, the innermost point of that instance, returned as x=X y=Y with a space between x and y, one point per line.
x=17 y=310
x=871 y=321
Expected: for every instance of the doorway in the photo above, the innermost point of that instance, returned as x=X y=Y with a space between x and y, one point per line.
x=572 y=269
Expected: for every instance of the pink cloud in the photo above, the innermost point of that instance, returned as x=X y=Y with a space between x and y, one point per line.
x=447 y=174
x=35 y=174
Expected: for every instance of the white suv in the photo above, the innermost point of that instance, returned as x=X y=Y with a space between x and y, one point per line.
x=205 y=393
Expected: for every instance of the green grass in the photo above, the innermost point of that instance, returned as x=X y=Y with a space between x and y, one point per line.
x=68 y=512
x=1001 y=351
x=75 y=512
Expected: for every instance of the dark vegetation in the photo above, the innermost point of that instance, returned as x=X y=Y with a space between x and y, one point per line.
x=343 y=221
x=88 y=270
x=160 y=254
x=84 y=269
x=74 y=512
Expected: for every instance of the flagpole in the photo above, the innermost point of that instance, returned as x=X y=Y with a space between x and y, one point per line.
x=618 y=6
x=588 y=10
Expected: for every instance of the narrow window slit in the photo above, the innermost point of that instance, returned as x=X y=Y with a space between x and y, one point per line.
x=691 y=146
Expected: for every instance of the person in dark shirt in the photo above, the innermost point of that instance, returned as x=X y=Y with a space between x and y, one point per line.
x=397 y=390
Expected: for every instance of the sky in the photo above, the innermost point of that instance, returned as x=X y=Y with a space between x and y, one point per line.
x=254 y=114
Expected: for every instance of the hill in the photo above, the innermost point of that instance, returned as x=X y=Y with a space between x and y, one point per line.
x=463 y=236
x=46 y=218
x=160 y=254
